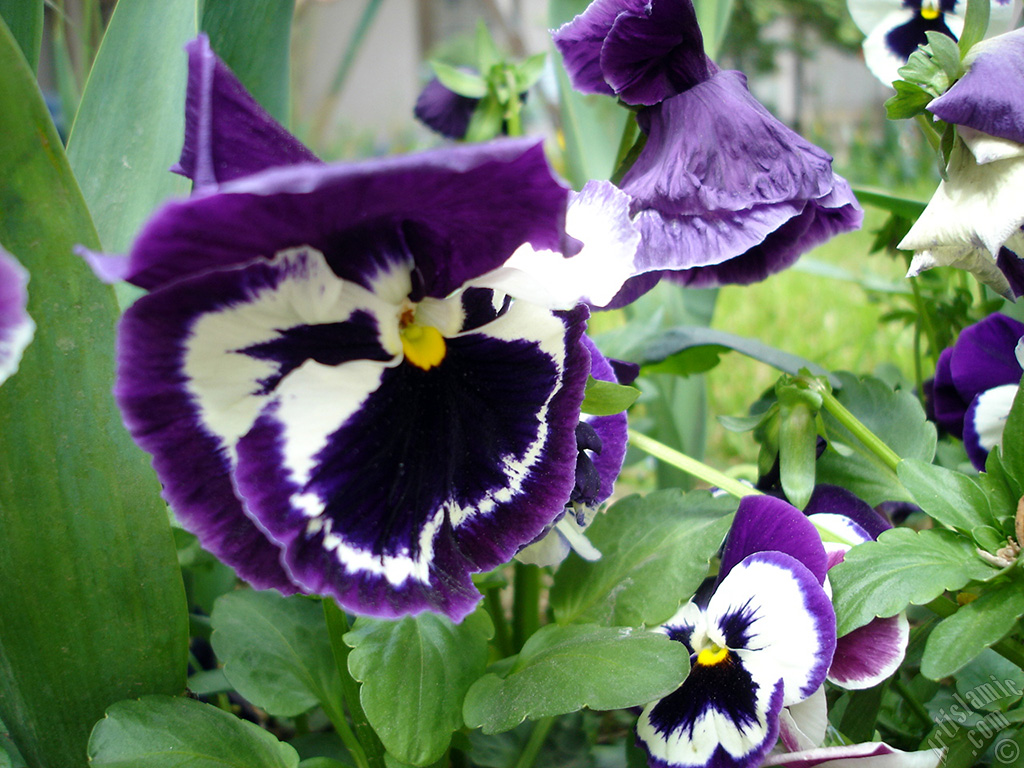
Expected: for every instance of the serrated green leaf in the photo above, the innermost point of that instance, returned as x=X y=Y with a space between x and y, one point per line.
x=903 y=567
x=924 y=71
x=130 y=123
x=896 y=417
x=93 y=608
x=24 y=19
x=909 y=101
x=945 y=53
x=469 y=84
x=169 y=732
x=275 y=650
x=562 y=669
x=952 y=498
x=415 y=673
x=604 y=398
x=655 y=551
x=254 y=38
x=974 y=627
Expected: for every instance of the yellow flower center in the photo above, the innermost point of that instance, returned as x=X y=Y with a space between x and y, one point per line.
x=930 y=10
x=713 y=655
x=423 y=345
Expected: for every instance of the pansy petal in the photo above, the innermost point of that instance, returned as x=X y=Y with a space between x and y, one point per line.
x=803 y=725
x=985 y=97
x=775 y=614
x=867 y=755
x=948 y=405
x=443 y=110
x=227 y=133
x=197 y=362
x=16 y=327
x=611 y=430
x=871 y=653
x=985 y=421
x=983 y=356
x=580 y=42
x=859 y=521
x=434 y=199
x=388 y=503
x=763 y=524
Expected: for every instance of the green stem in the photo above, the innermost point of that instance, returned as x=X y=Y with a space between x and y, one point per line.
x=525 y=604
x=364 y=745
x=502 y=638
x=888 y=456
x=907 y=695
x=934 y=139
x=691 y=466
x=513 y=110
x=537 y=736
x=1009 y=649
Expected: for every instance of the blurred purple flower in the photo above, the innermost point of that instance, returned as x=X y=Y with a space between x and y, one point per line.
x=444 y=111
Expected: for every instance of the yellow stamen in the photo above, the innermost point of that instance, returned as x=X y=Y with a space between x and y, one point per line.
x=930 y=10
x=423 y=345
x=713 y=655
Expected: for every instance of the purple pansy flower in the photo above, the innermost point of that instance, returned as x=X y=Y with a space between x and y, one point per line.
x=444 y=111
x=895 y=28
x=974 y=220
x=331 y=408
x=975 y=382
x=762 y=640
x=721 y=192
x=16 y=327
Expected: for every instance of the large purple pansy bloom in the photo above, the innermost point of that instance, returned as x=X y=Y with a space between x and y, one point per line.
x=329 y=407
x=721 y=192
x=762 y=640
x=16 y=327
x=976 y=381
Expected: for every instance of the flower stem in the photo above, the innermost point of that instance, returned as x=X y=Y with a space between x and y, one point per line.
x=888 y=456
x=502 y=638
x=364 y=745
x=907 y=695
x=525 y=604
x=537 y=736
x=691 y=466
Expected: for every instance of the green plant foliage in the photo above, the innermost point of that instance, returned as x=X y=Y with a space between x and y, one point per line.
x=655 y=551
x=275 y=650
x=169 y=732
x=565 y=668
x=896 y=417
x=93 y=608
x=415 y=673
x=24 y=19
x=904 y=567
x=603 y=398
x=952 y=498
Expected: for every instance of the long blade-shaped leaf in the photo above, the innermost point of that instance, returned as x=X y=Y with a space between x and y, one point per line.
x=24 y=18
x=93 y=607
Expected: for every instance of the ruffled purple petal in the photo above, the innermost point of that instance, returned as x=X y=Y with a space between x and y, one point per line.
x=580 y=42
x=723 y=192
x=986 y=98
x=985 y=420
x=983 y=356
x=463 y=211
x=611 y=430
x=444 y=111
x=16 y=327
x=871 y=653
x=767 y=524
x=873 y=754
x=227 y=133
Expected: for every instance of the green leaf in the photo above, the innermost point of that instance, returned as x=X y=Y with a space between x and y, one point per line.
x=921 y=69
x=253 y=38
x=798 y=442
x=130 y=123
x=529 y=71
x=565 y=668
x=909 y=101
x=904 y=567
x=487 y=53
x=168 y=732
x=952 y=498
x=459 y=81
x=415 y=673
x=902 y=206
x=896 y=417
x=713 y=19
x=24 y=19
x=486 y=122
x=945 y=53
x=93 y=608
x=275 y=650
x=604 y=398
x=974 y=627
x=655 y=553
x=976 y=19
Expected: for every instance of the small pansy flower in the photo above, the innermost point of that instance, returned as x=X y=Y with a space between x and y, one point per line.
x=335 y=402
x=895 y=28
x=762 y=640
x=976 y=381
x=16 y=327
x=721 y=192
x=444 y=111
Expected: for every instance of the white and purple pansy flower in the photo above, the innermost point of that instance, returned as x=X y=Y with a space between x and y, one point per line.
x=16 y=327
x=894 y=29
x=976 y=381
x=763 y=639
x=331 y=407
x=721 y=192
x=974 y=220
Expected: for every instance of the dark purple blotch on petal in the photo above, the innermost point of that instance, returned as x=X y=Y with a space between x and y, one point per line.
x=870 y=650
x=905 y=39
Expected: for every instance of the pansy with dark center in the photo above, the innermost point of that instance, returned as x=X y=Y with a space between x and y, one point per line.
x=721 y=192
x=331 y=406
x=763 y=639
x=16 y=327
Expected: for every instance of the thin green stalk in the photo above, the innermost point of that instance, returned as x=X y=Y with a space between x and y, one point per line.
x=908 y=696
x=525 y=604
x=537 y=736
x=933 y=137
x=364 y=745
x=691 y=466
x=513 y=115
x=502 y=637
x=888 y=456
